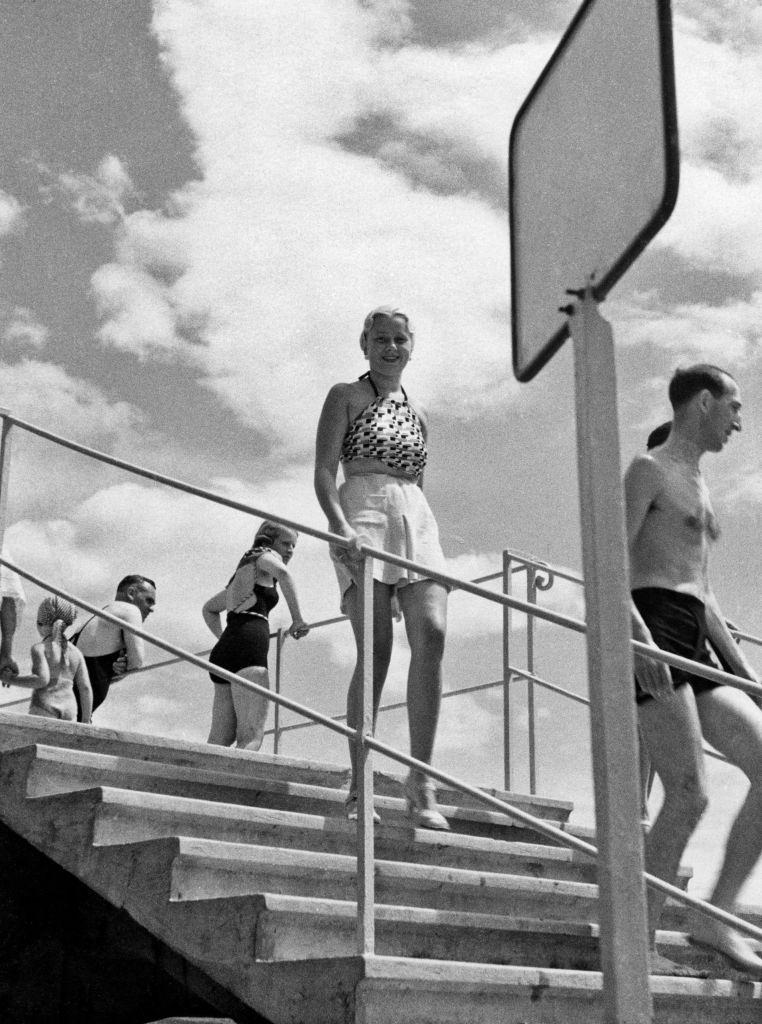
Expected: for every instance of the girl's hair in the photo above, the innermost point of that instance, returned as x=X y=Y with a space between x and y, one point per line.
x=391 y=312
x=59 y=614
x=264 y=539
x=268 y=533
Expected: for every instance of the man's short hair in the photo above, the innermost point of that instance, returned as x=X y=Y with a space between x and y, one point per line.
x=690 y=381
x=135 y=578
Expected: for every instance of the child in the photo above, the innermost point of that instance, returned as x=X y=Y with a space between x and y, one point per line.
x=57 y=667
x=238 y=713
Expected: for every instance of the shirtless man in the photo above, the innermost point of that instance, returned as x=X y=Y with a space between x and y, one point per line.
x=110 y=651
x=670 y=528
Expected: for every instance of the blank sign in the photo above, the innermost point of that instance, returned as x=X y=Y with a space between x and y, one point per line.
x=593 y=166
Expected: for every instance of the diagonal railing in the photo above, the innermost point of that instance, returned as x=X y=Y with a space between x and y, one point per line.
x=362 y=736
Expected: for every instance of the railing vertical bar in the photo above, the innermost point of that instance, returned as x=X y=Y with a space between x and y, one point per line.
x=507 y=583
x=532 y=599
x=279 y=641
x=5 y=468
x=364 y=771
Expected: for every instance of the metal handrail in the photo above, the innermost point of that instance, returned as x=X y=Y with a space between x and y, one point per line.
x=504 y=807
x=363 y=736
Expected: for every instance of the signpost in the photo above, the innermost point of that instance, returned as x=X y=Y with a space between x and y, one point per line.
x=593 y=171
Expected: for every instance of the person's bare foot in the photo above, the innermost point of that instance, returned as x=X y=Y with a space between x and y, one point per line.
x=733 y=947
x=658 y=964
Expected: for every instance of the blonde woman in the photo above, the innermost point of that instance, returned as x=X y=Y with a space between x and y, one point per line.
x=378 y=435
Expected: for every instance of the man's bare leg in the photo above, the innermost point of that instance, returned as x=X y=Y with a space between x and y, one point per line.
x=732 y=724
x=671 y=731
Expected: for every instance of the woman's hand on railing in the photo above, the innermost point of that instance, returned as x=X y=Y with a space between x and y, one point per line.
x=351 y=555
x=298 y=629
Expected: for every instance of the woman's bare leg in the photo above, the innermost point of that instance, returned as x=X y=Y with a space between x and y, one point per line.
x=222 y=731
x=424 y=607
x=382 y=653
x=250 y=708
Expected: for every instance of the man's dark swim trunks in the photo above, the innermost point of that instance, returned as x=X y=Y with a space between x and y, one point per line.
x=677 y=623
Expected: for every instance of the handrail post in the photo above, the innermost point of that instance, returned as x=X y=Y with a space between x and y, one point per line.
x=5 y=467
x=280 y=639
x=622 y=894
x=364 y=775
x=507 y=582
x=532 y=599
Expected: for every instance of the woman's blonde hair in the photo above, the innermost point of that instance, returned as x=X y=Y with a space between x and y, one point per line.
x=269 y=532
x=391 y=312
x=266 y=535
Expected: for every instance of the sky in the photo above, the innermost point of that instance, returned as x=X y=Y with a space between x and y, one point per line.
x=199 y=202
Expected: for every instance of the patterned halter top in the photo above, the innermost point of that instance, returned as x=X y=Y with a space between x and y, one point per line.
x=388 y=430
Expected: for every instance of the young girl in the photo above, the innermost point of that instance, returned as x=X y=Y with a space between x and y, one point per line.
x=238 y=714
x=57 y=666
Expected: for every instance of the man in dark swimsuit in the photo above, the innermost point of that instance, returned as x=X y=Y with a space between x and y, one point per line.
x=670 y=527
x=110 y=651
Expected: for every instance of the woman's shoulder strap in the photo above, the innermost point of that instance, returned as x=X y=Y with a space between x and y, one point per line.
x=367 y=376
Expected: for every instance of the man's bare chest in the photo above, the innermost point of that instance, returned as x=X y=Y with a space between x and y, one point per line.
x=685 y=505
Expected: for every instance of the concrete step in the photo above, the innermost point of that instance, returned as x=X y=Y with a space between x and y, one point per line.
x=203 y=869
x=194 y=869
x=128 y=816
x=50 y=770
x=23 y=730
x=293 y=927
x=396 y=990
x=403 y=991
x=221 y=903
x=40 y=769
x=274 y=927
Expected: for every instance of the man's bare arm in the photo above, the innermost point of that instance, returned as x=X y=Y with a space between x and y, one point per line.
x=133 y=644
x=641 y=486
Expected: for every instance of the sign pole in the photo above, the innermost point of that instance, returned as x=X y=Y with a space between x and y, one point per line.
x=622 y=897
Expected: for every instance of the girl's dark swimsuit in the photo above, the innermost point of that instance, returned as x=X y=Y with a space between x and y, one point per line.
x=677 y=623
x=246 y=636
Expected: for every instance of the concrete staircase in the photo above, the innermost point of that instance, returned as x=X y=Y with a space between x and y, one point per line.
x=243 y=864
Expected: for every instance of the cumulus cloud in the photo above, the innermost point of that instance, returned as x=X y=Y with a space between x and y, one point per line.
x=21 y=329
x=716 y=223
x=11 y=213
x=367 y=168
x=49 y=396
x=730 y=333
x=273 y=258
x=94 y=198
x=45 y=479
x=135 y=309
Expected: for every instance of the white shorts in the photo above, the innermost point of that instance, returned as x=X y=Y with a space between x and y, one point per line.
x=392 y=514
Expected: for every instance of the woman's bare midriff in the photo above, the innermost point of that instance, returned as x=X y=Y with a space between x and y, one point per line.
x=367 y=467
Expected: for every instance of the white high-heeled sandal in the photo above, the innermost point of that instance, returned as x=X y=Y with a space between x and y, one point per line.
x=422 y=803
x=350 y=808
